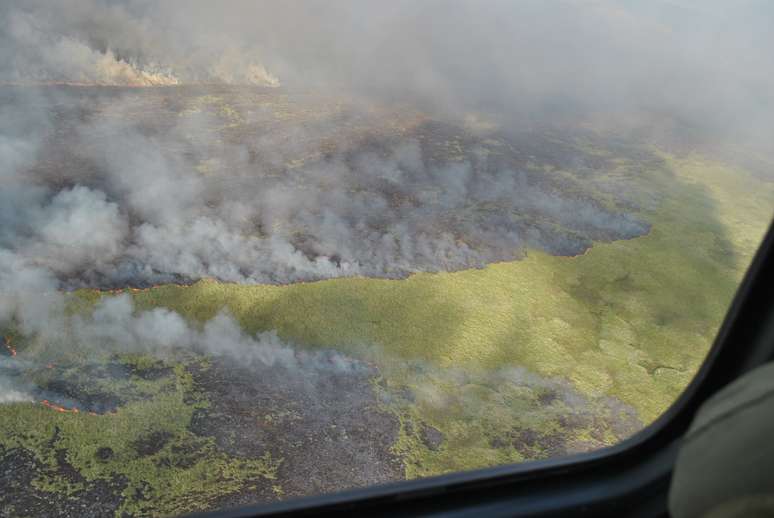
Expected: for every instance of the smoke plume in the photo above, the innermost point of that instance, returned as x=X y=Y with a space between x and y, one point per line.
x=119 y=191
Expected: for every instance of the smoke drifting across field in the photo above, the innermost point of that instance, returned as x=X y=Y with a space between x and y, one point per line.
x=95 y=194
x=115 y=327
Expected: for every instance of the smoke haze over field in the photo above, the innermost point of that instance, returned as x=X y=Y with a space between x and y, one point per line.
x=121 y=189
x=115 y=327
x=705 y=62
x=95 y=190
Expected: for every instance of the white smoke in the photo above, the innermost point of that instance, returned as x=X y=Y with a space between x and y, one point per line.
x=82 y=43
x=115 y=325
x=135 y=209
x=79 y=229
x=12 y=390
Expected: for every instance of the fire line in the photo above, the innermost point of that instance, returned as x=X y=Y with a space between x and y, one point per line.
x=11 y=349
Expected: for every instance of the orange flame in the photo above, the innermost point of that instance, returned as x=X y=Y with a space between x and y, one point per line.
x=8 y=346
x=115 y=291
x=64 y=410
x=58 y=408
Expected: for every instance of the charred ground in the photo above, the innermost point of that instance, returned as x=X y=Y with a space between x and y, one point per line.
x=299 y=433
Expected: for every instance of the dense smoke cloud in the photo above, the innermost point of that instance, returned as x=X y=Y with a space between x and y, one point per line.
x=116 y=326
x=11 y=390
x=702 y=61
x=114 y=193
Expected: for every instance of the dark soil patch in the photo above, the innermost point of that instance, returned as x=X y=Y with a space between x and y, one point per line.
x=616 y=418
x=66 y=469
x=183 y=456
x=70 y=394
x=547 y=397
x=431 y=437
x=151 y=443
x=535 y=445
x=111 y=370
x=104 y=454
x=18 y=468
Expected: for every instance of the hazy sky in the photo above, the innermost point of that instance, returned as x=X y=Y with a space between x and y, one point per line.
x=706 y=61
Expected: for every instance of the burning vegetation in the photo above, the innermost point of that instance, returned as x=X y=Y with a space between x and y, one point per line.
x=49 y=404
x=7 y=342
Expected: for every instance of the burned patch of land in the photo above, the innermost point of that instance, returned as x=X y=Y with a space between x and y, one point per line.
x=96 y=387
x=329 y=430
x=244 y=433
x=19 y=470
x=266 y=422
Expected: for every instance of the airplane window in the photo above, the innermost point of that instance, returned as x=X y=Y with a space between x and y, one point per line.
x=252 y=251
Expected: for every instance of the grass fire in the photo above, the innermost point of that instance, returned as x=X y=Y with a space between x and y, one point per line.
x=255 y=252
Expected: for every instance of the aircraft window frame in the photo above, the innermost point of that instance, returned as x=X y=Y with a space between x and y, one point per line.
x=631 y=477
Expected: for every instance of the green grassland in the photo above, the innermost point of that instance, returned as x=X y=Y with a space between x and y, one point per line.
x=630 y=319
